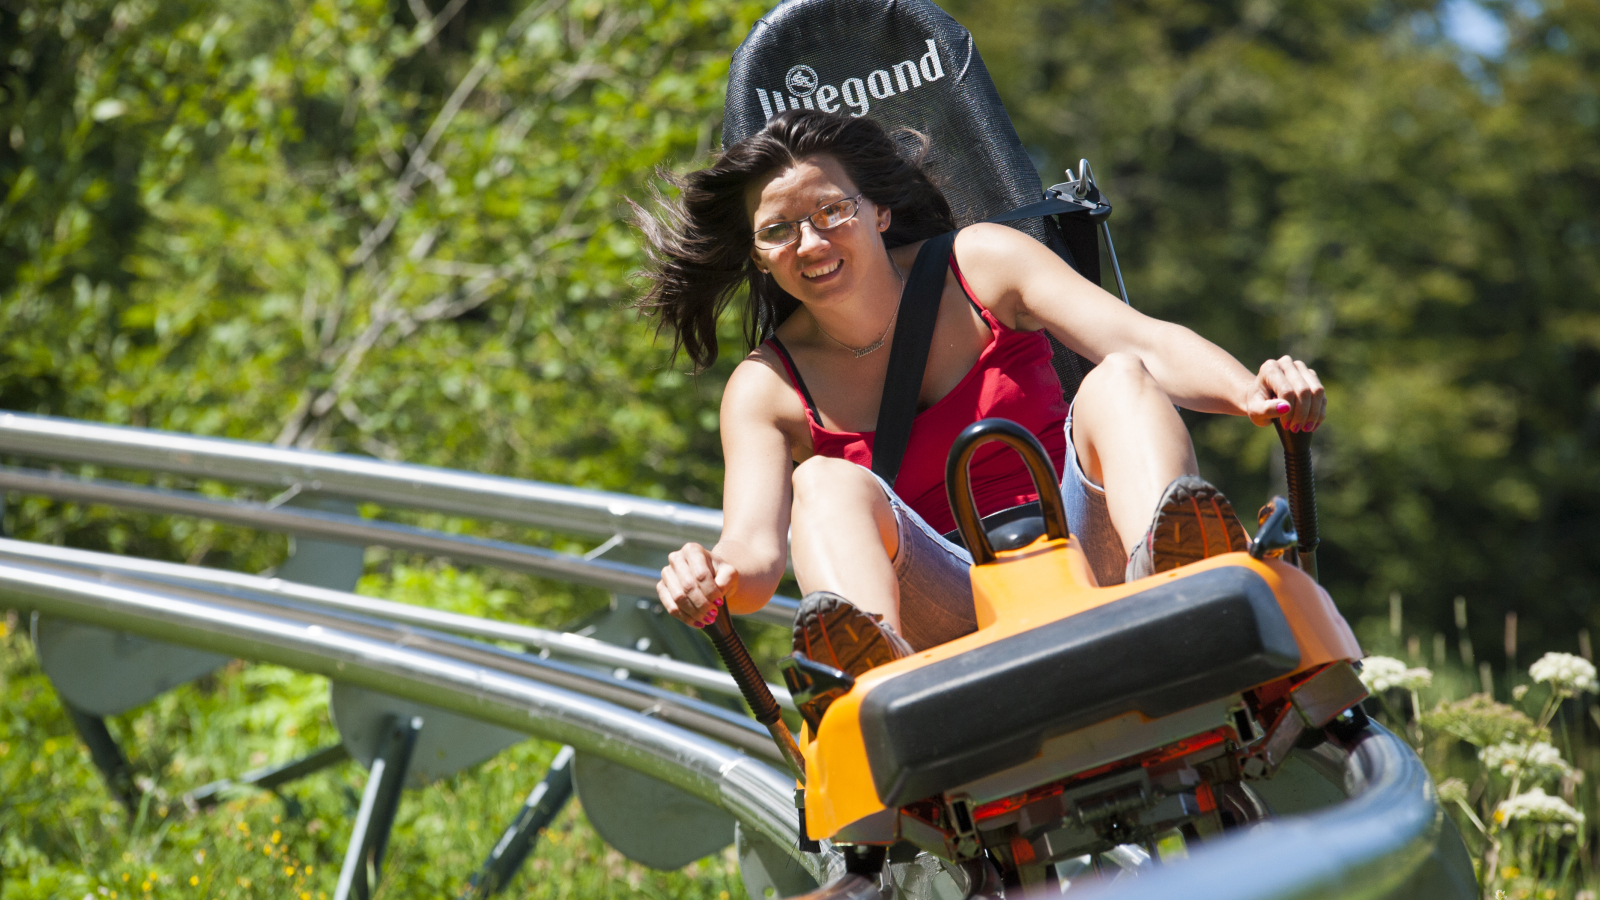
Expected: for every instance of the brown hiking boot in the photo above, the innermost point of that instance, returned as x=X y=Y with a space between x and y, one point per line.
x=1193 y=521
x=833 y=631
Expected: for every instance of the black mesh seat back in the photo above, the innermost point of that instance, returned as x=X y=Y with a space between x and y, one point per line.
x=906 y=63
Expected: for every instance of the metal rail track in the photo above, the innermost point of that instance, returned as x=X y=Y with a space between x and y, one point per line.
x=556 y=643
x=643 y=738
x=1388 y=839
x=565 y=509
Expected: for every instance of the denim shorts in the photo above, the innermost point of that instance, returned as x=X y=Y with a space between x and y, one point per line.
x=935 y=589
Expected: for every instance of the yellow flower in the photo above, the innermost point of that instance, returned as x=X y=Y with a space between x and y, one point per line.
x=194 y=881
x=308 y=870
x=277 y=836
x=125 y=876
x=288 y=870
x=1510 y=872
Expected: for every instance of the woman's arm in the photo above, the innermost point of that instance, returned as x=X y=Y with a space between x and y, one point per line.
x=1027 y=286
x=746 y=565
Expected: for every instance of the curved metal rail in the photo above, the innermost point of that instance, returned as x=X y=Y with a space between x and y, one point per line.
x=606 y=574
x=1390 y=839
x=751 y=791
x=557 y=643
x=566 y=509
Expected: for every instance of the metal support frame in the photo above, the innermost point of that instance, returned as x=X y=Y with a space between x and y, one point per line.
x=107 y=756
x=542 y=807
x=267 y=778
x=363 y=859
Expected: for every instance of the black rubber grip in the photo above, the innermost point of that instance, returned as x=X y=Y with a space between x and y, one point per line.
x=743 y=669
x=1302 y=484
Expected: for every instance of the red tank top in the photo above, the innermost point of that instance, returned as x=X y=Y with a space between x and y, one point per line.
x=1012 y=379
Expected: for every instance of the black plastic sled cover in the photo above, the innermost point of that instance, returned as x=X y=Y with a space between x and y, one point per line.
x=903 y=62
x=1173 y=646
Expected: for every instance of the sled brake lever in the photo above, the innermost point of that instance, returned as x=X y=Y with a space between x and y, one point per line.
x=743 y=669
x=1302 y=493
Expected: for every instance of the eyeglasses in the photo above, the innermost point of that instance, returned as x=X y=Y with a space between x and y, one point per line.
x=782 y=234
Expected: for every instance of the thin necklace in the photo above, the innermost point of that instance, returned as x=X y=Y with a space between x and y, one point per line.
x=863 y=351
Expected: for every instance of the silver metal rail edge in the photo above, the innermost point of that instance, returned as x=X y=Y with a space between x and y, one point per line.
x=558 y=644
x=608 y=575
x=1390 y=839
x=566 y=509
x=760 y=797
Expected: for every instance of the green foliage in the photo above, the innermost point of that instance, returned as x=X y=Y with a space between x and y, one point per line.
x=1339 y=181
x=1481 y=722
x=321 y=224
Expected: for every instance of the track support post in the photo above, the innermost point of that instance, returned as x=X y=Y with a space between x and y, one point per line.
x=541 y=808
x=379 y=803
x=267 y=778
x=107 y=756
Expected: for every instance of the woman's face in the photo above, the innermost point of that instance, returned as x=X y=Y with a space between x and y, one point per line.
x=821 y=266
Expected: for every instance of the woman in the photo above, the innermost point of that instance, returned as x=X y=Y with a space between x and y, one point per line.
x=822 y=217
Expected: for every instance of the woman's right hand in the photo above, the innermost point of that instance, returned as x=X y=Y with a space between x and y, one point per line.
x=694 y=583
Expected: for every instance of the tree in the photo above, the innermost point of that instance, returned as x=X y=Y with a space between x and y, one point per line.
x=1340 y=181
x=359 y=226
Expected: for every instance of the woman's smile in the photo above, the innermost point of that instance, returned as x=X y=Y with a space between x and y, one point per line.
x=822 y=272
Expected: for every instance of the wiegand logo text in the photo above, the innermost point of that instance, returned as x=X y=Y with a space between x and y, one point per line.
x=803 y=88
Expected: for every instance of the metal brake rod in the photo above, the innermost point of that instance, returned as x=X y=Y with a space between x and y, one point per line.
x=753 y=792
x=567 y=509
x=559 y=644
x=612 y=576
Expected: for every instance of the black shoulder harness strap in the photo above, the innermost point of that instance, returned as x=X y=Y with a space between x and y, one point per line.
x=919 y=310
x=908 y=357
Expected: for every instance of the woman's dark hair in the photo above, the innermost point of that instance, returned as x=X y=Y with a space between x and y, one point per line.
x=700 y=245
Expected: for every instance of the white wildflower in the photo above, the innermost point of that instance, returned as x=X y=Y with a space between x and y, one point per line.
x=1534 y=763
x=1551 y=814
x=1381 y=673
x=1566 y=673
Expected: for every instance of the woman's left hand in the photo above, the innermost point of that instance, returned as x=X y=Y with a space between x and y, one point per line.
x=1287 y=389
